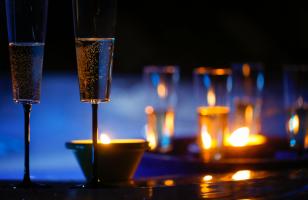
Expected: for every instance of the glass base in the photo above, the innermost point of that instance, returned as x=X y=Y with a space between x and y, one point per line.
x=104 y=184
x=26 y=185
x=26 y=101
x=95 y=101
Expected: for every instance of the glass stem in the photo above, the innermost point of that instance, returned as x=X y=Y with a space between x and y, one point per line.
x=95 y=179
x=27 y=111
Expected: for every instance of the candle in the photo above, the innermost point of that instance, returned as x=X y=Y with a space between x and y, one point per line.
x=160 y=128
x=212 y=124
x=118 y=159
x=241 y=137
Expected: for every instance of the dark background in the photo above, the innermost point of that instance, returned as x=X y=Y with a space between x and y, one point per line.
x=188 y=33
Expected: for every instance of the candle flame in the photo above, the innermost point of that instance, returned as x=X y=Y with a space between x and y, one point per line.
x=151 y=138
x=246 y=70
x=242 y=137
x=211 y=98
x=169 y=182
x=205 y=138
x=162 y=90
x=207 y=178
x=150 y=127
x=249 y=114
x=241 y=175
x=105 y=139
x=169 y=123
x=293 y=124
x=239 y=137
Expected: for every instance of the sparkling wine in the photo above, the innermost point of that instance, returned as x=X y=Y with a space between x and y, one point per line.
x=212 y=126
x=26 y=67
x=94 y=60
x=160 y=128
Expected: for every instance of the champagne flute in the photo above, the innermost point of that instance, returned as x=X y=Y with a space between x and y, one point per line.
x=26 y=23
x=94 y=22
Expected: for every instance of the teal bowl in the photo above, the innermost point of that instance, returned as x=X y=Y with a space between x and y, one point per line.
x=117 y=161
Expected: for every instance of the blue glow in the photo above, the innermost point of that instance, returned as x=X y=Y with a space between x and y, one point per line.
x=155 y=79
x=165 y=141
x=260 y=81
x=292 y=142
x=207 y=81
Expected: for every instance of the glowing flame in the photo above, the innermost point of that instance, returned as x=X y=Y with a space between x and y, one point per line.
x=105 y=139
x=150 y=127
x=151 y=138
x=162 y=90
x=306 y=140
x=249 y=114
x=293 y=124
x=242 y=137
x=169 y=182
x=246 y=70
x=241 y=175
x=207 y=178
x=149 y=110
x=205 y=138
x=169 y=123
x=239 y=137
x=211 y=98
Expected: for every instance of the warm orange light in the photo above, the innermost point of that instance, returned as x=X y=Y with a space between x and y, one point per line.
x=169 y=123
x=293 y=124
x=241 y=175
x=207 y=178
x=205 y=138
x=242 y=137
x=151 y=137
x=239 y=137
x=249 y=114
x=162 y=90
x=246 y=70
x=169 y=182
x=150 y=128
x=105 y=139
x=211 y=98
x=149 y=110
x=306 y=140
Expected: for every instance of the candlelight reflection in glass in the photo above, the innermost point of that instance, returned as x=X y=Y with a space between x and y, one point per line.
x=248 y=85
x=296 y=104
x=212 y=89
x=161 y=82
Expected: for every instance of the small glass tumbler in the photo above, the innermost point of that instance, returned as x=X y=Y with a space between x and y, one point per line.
x=296 y=104
x=248 y=85
x=161 y=82
x=212 y=90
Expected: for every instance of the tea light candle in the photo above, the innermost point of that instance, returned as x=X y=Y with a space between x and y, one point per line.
x=118 y=159
x=241 y=137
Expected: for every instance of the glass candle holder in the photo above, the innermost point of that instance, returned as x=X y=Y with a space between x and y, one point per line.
x=296 y=105
x=212 y=89
x=248 y=85
x=161 y=82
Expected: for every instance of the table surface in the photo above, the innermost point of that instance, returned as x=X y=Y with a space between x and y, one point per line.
x=244 y=184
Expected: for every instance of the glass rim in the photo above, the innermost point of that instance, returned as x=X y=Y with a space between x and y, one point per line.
x=213 y=71
x=168 y=69
x=252 y=65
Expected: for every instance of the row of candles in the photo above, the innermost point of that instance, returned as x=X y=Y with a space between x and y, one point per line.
x=222 y=121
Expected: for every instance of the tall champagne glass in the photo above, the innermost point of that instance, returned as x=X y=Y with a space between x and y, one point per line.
x=94 y=22
x=26 y=23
